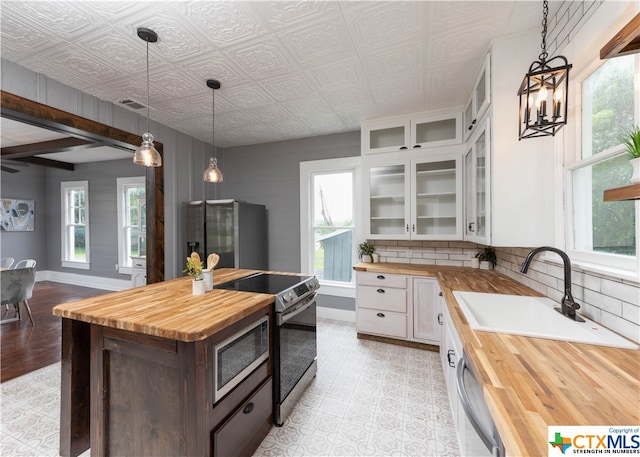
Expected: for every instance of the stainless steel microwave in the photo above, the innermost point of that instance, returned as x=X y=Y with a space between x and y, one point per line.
x=236 y=357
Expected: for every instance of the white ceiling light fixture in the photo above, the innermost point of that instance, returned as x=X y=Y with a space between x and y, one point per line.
x=147 y=155
x=213 y=173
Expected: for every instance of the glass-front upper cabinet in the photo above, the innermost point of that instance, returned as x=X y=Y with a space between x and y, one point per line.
x=477 y=186
x=414 y=199
x=386 y=202
x=385 y=136
x=479 y=100
x=437 y=200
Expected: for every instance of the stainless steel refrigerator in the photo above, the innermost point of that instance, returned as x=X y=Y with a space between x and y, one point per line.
x=235 y=230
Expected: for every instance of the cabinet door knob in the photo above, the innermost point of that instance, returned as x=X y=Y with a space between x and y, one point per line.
x=247 y=409
x=439 y=294
x=470 y=127
x=473 y=122
x=439 y=318
x=380 y=291
x=381 y=277
x=380 y=315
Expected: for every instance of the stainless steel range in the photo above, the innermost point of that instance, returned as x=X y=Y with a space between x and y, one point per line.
x=295 y=350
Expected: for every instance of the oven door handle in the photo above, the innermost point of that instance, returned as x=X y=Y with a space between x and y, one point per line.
x=284 y=317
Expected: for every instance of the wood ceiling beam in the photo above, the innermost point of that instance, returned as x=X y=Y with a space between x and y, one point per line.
x=48 y=163
x=47 y=147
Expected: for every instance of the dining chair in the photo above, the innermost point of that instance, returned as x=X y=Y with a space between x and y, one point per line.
x=6 y=262
x=16 y=288
x=26 y=263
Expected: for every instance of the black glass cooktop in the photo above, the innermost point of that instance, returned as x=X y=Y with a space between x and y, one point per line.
x=263 y=283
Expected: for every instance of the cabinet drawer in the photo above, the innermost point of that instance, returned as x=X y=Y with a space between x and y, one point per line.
x=382 y=298
x=244 y=431
x=382 y=322
x=382 y=279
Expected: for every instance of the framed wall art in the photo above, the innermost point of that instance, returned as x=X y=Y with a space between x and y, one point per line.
x=17 y=215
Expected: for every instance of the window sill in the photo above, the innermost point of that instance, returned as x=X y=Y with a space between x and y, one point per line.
x=337 y=290
x=583 y=266
x=76 y=265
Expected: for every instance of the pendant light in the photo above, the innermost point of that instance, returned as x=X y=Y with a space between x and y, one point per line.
x=146 y=154
x=213 y=173
x=544 y=86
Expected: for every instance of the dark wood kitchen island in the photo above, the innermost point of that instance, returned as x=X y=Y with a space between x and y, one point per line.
x=138 y=371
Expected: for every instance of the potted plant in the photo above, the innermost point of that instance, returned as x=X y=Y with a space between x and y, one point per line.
x=487 y=258
x=194 y=269
x=632 y=146
x=365 y=251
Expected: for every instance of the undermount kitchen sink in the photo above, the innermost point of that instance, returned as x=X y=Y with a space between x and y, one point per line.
x=532 y=316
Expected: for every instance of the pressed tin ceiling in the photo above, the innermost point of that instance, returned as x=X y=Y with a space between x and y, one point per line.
x=288 y=69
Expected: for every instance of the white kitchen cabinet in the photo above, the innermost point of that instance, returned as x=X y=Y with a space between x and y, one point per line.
x=479 y=100
x=381 y=304
x=419 y=199
x=138 y=271
x=477 y=183
x=398 y=306
x=425 y=310
x=450 y=353
x=411 y=132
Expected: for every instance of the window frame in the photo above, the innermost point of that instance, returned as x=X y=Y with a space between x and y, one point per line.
x=65 y=188
x=125 y=264
x=622 y=266
x=307 y=171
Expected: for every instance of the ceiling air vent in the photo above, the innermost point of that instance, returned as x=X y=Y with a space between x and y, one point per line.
x=132 y=104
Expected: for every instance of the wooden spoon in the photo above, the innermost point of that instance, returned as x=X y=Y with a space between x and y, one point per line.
x=212 y=261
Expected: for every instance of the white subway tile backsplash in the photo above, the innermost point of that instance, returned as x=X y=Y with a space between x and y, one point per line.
x=630 y=312
x=603 y=298
x=622 y=291
x=605 y=302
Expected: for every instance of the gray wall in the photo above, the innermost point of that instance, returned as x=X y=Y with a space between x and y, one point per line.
x=29 y=184
x=269 y=174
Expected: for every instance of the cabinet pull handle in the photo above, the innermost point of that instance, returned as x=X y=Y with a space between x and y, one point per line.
x=380 y=291
x=403 y=147
x=473 y=122
x=451 y=354
x=417 y=146
x=471 y=224
x=407 y=228
x=439 y=318
x=381 y=277
x=380 y=315
x=470 y=127
x=413 y=226
x=247 y=409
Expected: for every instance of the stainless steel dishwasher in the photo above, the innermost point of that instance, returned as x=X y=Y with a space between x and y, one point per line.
x=480 y=435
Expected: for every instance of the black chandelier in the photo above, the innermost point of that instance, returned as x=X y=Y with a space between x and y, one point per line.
x=544 y=92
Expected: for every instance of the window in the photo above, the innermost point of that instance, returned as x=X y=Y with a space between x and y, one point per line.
x=605 y=233
x=132 y=226
x=329 y=192
x=75 y=224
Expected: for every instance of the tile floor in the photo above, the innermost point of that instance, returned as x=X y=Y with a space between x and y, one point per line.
x=368 y=399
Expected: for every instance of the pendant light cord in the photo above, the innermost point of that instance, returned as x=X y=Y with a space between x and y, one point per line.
x=213 y=123
x=147 y=86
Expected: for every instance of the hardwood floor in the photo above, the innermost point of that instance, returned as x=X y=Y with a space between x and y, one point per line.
x=23 y=347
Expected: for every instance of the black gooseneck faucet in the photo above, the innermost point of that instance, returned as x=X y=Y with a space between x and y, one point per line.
x=568 y=305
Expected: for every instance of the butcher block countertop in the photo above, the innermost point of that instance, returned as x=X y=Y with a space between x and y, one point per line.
x=168 y=309
x=531 y=383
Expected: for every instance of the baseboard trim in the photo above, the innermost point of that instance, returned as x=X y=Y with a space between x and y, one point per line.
x=336 y=314
x=405 y=343
x=95 y=282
